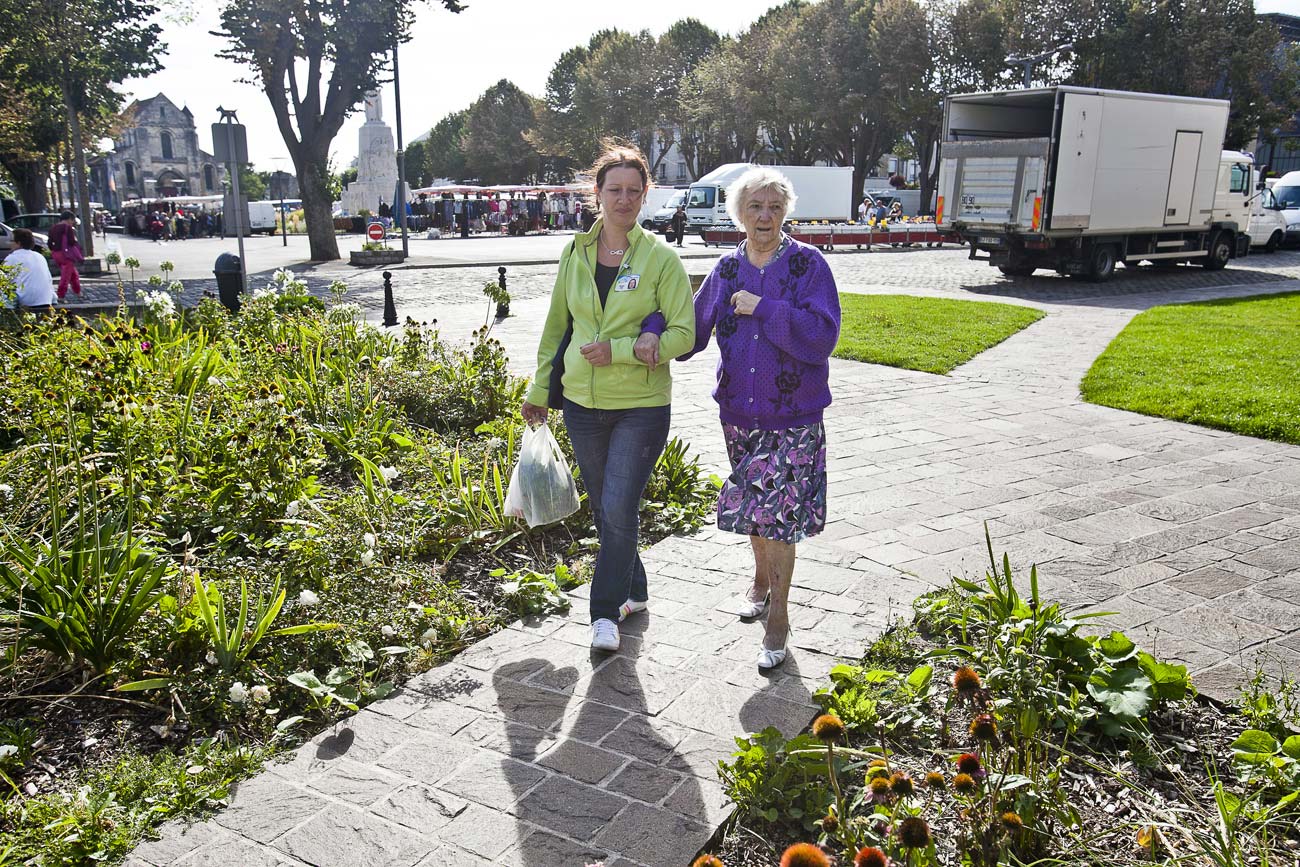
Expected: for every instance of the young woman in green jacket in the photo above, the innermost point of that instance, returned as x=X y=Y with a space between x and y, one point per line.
x=616 y=401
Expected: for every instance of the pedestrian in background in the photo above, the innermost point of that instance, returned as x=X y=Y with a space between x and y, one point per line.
x=31 y=272
x=65 y=250
x=679 y=224
x=617 y=404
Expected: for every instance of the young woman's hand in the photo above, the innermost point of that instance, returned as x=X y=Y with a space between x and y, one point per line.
x=534 y=414
x=598 y=354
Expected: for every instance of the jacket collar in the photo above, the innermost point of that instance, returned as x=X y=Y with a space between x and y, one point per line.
x=587 y=240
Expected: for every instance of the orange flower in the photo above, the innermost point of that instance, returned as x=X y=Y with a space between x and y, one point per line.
x=707 y=861
x=870 y=856
x=828 y=728
x=966 y=680
x=804 y=855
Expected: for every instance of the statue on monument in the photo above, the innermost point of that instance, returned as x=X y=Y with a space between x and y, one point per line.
x=374 y=107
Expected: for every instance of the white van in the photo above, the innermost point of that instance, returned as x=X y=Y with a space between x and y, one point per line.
x=1286 y=195
x=662 y=217
x=655 y=198
x=261 y=217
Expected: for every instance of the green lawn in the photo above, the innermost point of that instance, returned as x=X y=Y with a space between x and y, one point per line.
x=930 y=334
x=1232 y=364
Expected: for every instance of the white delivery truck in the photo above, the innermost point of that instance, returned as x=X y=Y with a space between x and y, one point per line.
x=1286 y=195
x=823 y=193
x=1077 y=180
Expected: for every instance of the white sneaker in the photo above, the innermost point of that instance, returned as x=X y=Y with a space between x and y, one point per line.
x=604 y=635
x=631 y=606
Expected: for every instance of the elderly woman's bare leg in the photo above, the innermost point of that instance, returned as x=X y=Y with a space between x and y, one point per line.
x=762 y=573
x=778 y=559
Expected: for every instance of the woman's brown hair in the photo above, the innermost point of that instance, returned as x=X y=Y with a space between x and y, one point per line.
x=615 y=154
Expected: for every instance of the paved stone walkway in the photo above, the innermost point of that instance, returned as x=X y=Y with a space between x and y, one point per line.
x=528 y=750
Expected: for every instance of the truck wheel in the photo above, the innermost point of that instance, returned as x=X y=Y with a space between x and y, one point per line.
x=1220 y=251
x=1017 y=270
x=1101 y=265
x=1274 y=241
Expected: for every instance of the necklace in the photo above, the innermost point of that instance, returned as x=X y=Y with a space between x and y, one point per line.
x=606 y=246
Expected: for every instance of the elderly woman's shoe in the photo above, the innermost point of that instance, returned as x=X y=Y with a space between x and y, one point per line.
x=749 y=609
x=769 y=659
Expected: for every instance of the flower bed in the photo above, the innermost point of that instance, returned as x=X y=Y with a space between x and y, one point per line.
x=992 y=730
x=219 y=533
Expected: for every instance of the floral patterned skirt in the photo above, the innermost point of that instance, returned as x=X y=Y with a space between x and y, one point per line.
x=777 y=487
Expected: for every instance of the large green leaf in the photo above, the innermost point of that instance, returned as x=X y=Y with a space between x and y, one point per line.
x=1117 y=647
x=1125 y=692
x=1171 y=681
x=1254 y=746
x=1291 y=746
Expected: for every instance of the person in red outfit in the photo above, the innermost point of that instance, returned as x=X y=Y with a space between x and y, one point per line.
x=65 y=249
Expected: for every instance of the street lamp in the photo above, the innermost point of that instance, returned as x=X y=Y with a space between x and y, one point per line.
x=1029 y=62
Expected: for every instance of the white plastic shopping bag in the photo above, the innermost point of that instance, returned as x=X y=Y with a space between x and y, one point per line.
x=542 y=490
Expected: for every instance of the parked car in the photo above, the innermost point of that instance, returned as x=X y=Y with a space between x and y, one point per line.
x=36 y=222
x=7 y=240
x=662 y=217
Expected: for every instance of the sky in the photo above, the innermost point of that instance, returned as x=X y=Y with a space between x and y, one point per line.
x=449 y=62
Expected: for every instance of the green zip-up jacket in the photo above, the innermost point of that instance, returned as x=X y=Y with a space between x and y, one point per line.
x=651 y=278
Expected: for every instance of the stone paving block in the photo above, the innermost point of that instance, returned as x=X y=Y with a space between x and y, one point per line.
x=543 y=849
x=1280 y=558
x=493 y=780
x=342 y=837
x=1278 y=614
x=634 y=685
x=177 y=839
x=521 y=703
x=590 y=721
x=703 y=801
x=1216 y=628
x=569 y=808
x=363 y=737
x=645 y=782
x=230 y=848
x=714 y=707
x=447 y=855
x=356 y=782
x=508 y=738
x=1164 y=597
x=484 y=832
x=652 y=835
x=580 y=761
x=1210 y=582
x=428 y=757
x=406 y=703
x=1141 y=575
x=264 y=807
x=421 y=808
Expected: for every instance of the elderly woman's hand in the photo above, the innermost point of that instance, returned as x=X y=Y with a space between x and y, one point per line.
x=598 y=354
x=647 y=349
x=745 y=302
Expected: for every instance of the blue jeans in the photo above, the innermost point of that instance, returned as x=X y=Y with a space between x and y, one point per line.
x=616 y=450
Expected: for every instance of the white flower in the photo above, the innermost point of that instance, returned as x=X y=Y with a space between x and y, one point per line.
x=369 y=539
x=261 y=694
x=238 y=694
x=291 y=510
x=159 y=305
x=215 y=381
x=307 y=599
x=367 y=556
x=268 y=292
x=495 y=443
x=387 y=631
x=387 y=361
x=211 y=658
x=429 y=636
x=389 y=473
x=6 y=489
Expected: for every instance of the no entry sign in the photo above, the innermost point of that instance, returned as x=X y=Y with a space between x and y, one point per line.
x=375 y=231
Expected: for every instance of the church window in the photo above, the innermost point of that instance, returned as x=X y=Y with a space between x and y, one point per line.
x=166 y=141
x=209 y=183
x=130 y=174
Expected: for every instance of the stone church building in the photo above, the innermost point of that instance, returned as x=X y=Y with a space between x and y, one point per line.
x=156 y=156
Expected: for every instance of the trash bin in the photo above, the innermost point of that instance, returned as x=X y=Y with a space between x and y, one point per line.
x=230 y=282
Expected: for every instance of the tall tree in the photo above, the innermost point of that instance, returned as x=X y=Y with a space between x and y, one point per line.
x=495 y=142
x=416 y=156
x=446 y=151
x=79 y=49
x=680 y=50
x=610 y=96
x=720 y=121
x=289 y=44
x=780 y=63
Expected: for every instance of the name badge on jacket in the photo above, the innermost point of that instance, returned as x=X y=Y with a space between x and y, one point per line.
x=627 y=282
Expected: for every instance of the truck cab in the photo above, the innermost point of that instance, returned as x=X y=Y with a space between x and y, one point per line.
x=706 y=205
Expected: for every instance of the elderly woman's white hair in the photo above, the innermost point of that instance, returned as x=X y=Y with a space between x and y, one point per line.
x=751 y=182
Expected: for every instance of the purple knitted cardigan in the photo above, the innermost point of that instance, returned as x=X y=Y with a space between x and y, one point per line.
x=774 y=368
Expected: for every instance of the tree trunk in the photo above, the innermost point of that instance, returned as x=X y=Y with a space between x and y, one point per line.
x=29 y=180
x=78 y=166
x=317 y=207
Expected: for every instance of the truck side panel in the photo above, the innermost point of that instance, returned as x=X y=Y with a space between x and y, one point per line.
x=1135 y=161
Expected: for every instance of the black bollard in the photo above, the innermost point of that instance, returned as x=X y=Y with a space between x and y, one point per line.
x=503 y=307
x=390 y=308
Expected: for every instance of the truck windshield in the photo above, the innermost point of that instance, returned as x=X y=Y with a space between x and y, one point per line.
x=1287 y=197
x=701 y=197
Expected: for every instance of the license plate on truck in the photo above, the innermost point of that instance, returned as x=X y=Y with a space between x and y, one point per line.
x=992 y=240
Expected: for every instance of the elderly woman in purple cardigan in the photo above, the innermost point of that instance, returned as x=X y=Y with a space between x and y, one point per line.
x=775 y=310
